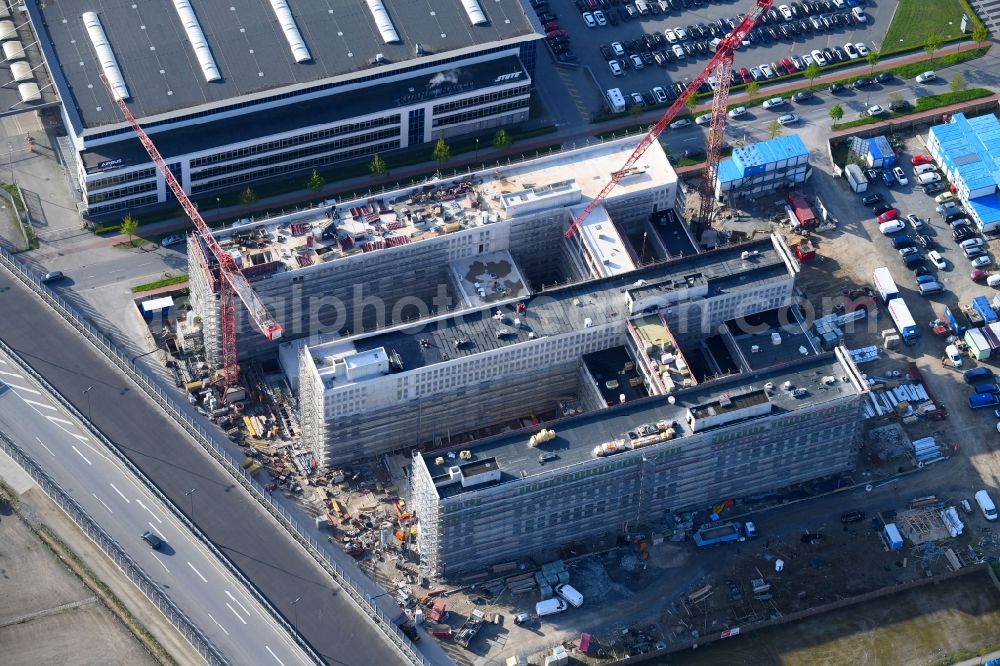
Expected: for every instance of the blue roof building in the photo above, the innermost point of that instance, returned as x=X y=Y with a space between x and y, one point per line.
x=762 y=167
x=968 y=151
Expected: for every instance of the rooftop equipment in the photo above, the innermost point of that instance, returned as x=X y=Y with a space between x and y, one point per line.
x=475 y=12
x=383 y=22
x=287 y=22
x=196 y=36
x=105 y=56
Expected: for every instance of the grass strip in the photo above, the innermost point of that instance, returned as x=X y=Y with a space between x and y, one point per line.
x=923 y=104
x=165 y=282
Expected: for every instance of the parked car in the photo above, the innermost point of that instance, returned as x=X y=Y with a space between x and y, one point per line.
x=875 y=110
x=917 y=160
x=937 y=259
x=788 y=119
x=871 y=199
x=891 y=227
x=924 y=77
x=900 y=176
x=979 y=374
x=944 y=197
x=890 y=214
x=737 y=112
x=926 y=178
x=774 y=103
x=678 y=124
x=589 y=20
x=962 y=232
x=978 y=275
x=899 y=105
x=931 y=188
x=837 y=87
x=852 y=517
x=173 y=239
x=981 y=261
x=616 y=68
x=884 y=77
x=863 y=82
x=802 y=96
x=915 y=222
x=52 y=276
x=818 y=57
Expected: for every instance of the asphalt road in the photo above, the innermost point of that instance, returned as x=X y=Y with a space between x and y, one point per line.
x=328 y=619
x=189 y=573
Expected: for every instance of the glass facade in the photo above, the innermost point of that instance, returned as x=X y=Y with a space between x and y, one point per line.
x=415 y=135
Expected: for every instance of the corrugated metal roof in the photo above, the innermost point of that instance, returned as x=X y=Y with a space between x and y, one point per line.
x=763 y=153
x=987 y=208
x=879 y=148
x=970 y=149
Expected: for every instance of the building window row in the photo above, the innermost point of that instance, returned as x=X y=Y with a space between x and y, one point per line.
x=111 y=181
x=129 y=190
x=493 y=96
x=466 y=116
x=267 y=160
x=122 y=204
x=299 y=139
x=277 y=170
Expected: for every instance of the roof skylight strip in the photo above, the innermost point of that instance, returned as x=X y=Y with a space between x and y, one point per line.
x=105 y=56
x=287 y=22
x=383 y=22
x=196 y=36
x=475 y=12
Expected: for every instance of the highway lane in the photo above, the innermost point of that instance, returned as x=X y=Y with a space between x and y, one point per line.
x=240 y=528
x=188 y=572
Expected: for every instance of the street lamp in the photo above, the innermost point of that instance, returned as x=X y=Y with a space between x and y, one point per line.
x=190 y=494
x=86 y=392
x=477 y=149
x=295 y=607
x=10 y=162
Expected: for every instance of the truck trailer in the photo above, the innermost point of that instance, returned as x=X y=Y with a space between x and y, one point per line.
x=884 y=284
x=903 y=320
x=713 y=533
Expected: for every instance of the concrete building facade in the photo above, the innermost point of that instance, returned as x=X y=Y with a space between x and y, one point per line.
x=731 y=437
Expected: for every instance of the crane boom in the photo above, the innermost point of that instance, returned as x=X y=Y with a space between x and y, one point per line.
x=720 y=62
x=232 y=281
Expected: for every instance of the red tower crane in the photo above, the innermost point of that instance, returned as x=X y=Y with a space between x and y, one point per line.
x=231 y=279
x=721 y=65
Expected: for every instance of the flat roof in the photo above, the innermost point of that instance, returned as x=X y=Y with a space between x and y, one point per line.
x=756 y=155
x=577 y=436
x=971 y=148
x=250 y=48
x=441 y=207
x=556 y=311
x=758 y=346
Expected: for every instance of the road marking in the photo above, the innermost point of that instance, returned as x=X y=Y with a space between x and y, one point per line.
x=219 y=625
x=127 y=500
x=139 y=502
x=203 y=579
x=83 y=439
x=81 y=455
x=235 y=613
x=102 y=502
x=11 y=374
x=161 y=563
x=274 y=655
x=229 y=594
x=58 y=420
x=40 y=404
x=46 y=448
x=23 y=388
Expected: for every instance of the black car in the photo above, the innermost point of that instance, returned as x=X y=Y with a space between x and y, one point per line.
x=154 y=541
x=899 y=105
x=955 y=216
x=933 y=188
x=812 y=538
x=878 y=210
x=607 y=53
x=802 y=96
x=861 y=83
x=837 y=87
x=647 y=97
x=545 y=17
x=962 y=232
x=921 y=269
x=926 y=241
x=52 y=276
x=852 y=517
x=871 y=199
x=884 y=77
x=871 y=175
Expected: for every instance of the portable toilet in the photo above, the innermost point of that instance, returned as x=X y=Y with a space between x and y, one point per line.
x=892 y=537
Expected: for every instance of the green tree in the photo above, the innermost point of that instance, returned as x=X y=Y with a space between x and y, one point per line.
x=980 y=34
x=957 y=83
x=872 y=59
x=635 y=110
x=933 y=43
x=811 y=72
x=316 y=181
x=128 y=226
x=774 y=128
x=836 y=112
x=502 y=140
x=377 y=166
x=442 y=151
x=248 y=197
x=752 y=88
x=691 y=102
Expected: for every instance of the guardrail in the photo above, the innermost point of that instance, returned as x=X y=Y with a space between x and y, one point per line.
x=118 y=555
x=217 y=451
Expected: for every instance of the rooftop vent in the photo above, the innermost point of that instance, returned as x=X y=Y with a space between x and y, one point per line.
x=287 y=22
x=382 y=21
x=106 y=58
x=196 y=36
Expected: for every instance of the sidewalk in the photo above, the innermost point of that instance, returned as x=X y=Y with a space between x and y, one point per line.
x=580 y=135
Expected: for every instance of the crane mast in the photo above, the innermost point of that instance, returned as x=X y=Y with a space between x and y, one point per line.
x=722 y=66
x=231 y=281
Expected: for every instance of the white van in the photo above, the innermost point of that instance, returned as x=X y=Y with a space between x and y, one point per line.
x=986 y=504
x=550 y=607
x=954 y=355
x=927 y=178
x=993 y=281
x=616 y=100
x=923 y=168
x=570 y=594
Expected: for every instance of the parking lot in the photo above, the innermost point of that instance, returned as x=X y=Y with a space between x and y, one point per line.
x=647 y=37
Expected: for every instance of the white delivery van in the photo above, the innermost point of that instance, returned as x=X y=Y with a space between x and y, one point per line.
x=986 y=504
x=616 y=100
x=550 y=607
x=993 y=281
x=570 y=594
x=923 y=168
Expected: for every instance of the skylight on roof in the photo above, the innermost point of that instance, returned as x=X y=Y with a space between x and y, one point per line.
x=383 y=22
x=105 y=56
x=196 y=36
x=287 y=22
x=475 y=12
